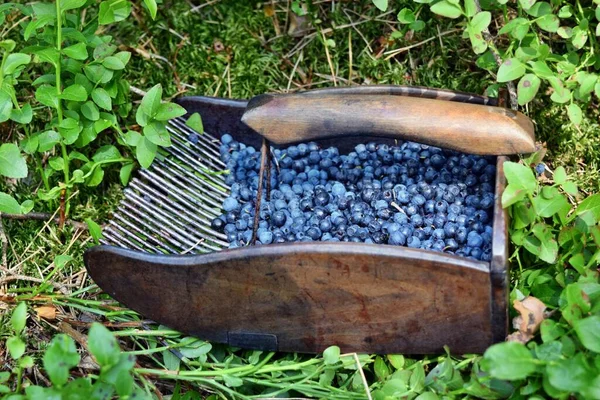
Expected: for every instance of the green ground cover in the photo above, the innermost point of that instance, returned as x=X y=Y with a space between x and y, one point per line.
x=240 y=49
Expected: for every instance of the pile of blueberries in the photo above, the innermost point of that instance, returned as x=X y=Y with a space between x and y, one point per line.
x=407 y=194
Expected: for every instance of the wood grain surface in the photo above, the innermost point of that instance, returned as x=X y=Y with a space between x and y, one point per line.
x=305 y=297
x=472 y=128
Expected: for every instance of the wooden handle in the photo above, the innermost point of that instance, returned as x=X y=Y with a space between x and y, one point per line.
x=477 y=129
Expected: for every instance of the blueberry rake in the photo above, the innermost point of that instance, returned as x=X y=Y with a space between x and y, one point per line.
x=161 y=258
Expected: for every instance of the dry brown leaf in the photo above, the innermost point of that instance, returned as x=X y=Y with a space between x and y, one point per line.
x=47 y=312
x=269 y=11
x=531 y=312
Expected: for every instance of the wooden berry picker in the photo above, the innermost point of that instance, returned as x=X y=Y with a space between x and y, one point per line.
x=300 y=221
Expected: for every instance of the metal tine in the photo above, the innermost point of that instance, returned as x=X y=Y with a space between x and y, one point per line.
x=128 y=234
x=199 y=153
x=169 y=205
x=149 y=237
x=195 y=162
x=179 y=229
x=119 y=239
x=151 y=225
x=172 y=186
x=197 y=148
x=218 y=195
x=180 y=122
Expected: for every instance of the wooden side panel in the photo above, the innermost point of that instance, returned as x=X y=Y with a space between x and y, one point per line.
x=499 y=267
x=305 y=297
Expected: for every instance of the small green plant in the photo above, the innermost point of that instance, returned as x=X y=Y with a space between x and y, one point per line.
x=115 y=375
x=557 y=249
x=81 y=100
x=541 y=43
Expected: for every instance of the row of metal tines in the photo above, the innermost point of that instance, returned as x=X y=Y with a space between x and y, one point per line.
x=168 y=208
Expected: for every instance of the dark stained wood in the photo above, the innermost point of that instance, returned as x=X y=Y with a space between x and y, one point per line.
x=305 y=297
x=478 y=129
x=499 y=267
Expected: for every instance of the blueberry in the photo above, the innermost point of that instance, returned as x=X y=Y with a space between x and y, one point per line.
x=226 y=139
x=231 y=204
x=265 y=237
x=474 y=239
x=397 y=238
x=314 y=233
x=217 y=224
x=325 y=225
x=413 y=242
x=279 y=218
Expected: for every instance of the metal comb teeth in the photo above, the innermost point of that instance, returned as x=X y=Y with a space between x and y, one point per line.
x=169 y=207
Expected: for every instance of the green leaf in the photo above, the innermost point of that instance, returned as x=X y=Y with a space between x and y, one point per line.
x=588 y=332
x=103 y=345
x=381 y=4
x=520 y=176
x=77 y=51
x=104 y=50
x=113 y=11
x=479 y=45
x=417 y=25
x=157 y=133
x=540 y=9
x=406 y=16
x=171 y=361
x=526 y=4
x=234 y=381
x=114 y=63
x=6 y=106
x=512 y=194
x=167 y=111
x=331 y=355
x=571 y=188
x=548 y=207
x=47 y=140
x=580 y=37
x=381 y=369
x=549 y=23
x=145 y=152
x=481 y=20
x=470 y=8
x=571 y=374
x=508 y=360
x=71 y=4
x=106 y=153
x=47 y=95
x=60 y=356
x=151 y=101
x=195 y=122
x=446 y=9
x=102 y=98
x=8 y=204
x=590 y=204
x=74 y=92
x=397 y=360
x=69 y=129
x=90 y=111
x=95 y=230
x=96 y=178
x=560 y=175
x=510 y=69
x=22 y=116
x=527 y=88
x=57 y=163
x=574 y=113
x=195 y=348
x=125 y=173
x=18 y=318
x=12 y=164
x=151 y=4
x=15 y=346
x=27 y=206
x=564 y=32
x=14 y=61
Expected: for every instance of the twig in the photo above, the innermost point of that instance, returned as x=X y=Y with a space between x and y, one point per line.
x=362 y=376
x=512 y=92
x=261 y=177
x=329 y=58
x=395 y=52
x=198 y=7
x=44 y=217
x=4 y=241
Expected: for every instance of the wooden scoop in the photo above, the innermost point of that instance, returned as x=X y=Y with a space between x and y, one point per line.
x=470 y=128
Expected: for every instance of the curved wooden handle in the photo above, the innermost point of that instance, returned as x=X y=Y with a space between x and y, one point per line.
x=477 y=129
